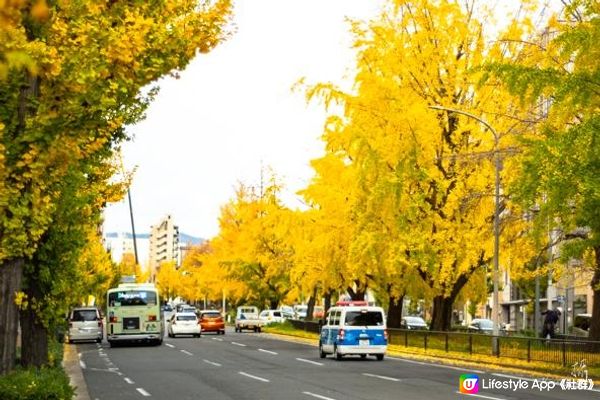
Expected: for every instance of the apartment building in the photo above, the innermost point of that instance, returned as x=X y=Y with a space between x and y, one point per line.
x=164 y=244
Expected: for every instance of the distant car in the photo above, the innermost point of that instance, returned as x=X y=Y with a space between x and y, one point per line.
x=581 y=325
x=481 y=325
x=85 y=323
x=271 y=316
x=167 y=308
x=183 y=307
x=184 y=323
x=247 y=318
x=287 y=312
x=212 y=321
x=300 y=310
x=413 y=323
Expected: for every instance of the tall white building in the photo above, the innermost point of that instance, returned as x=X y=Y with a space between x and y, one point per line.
x=164 y=244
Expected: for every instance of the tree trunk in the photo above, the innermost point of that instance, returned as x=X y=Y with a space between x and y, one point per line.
x=442 y=313
x=358 y=294
x=441 y=317
x=395 y=311
x=327 y=302
x=273 y=303
x=34 y=335
x=11 y=274
x=595 y=322
x=311 y=305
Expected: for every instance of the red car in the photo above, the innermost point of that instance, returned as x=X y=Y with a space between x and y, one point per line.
x=212 y=321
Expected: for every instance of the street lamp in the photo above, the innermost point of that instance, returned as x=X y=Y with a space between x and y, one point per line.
x=497 y=166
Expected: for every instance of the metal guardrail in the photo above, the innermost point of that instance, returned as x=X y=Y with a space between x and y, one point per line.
x=564 y=352
x=556 y=351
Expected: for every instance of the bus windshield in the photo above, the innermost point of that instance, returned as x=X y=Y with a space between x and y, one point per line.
x=132 y=298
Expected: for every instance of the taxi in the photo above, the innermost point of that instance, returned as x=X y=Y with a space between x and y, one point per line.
x=354 y=328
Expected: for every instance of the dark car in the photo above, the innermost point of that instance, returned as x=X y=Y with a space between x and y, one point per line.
x=413 y=323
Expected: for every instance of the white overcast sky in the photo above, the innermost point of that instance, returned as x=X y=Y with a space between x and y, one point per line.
x=233 y=109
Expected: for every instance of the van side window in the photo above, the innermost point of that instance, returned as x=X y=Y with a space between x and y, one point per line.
x=335 y=320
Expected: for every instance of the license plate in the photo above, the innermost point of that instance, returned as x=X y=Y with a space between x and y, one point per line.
x=131 y=323
x=363 y=342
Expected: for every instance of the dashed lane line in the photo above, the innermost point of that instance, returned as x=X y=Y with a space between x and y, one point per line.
x=309 y=361
x=169 y=345
x=143 y=392
x=129 y=381
x=186 y=352
x=318 y=396
x=482 y=396
x=268 y=351
x=387 y=378
x=258 y=378
x=238 y=344
x=212 y=363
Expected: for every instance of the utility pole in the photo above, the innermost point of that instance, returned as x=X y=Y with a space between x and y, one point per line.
x=135 y=252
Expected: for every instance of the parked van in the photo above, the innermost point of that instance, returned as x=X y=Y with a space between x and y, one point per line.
x=354 y=328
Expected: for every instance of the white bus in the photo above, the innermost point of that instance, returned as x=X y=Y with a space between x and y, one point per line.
x=133 y=314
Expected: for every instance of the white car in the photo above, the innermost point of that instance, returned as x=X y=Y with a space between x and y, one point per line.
x=184 y=324
x=301 y=310
x=271 y=316
x=85 y=323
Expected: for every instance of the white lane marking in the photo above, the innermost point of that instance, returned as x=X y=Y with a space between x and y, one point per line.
x=129 y=381
x=318 y=396
x=437 y=365
x=239 y=344
x=217 y=339
x=258 y=378
x=186 y=352
x=82 y=364
x=309 y=361
x=268 y=351
x=212 y=363
x=143 y=392
x=387 y=378
x=170 y=345
x=482 y=396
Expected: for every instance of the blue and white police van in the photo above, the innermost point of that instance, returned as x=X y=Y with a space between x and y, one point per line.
x=353 y=328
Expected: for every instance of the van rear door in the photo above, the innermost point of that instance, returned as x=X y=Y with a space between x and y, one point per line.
x=364 y=327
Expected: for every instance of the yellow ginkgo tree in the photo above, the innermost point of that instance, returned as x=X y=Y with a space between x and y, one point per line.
x=422 y=199
x=71 y=78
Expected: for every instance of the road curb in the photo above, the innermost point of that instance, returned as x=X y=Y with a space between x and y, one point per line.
x=73 y=370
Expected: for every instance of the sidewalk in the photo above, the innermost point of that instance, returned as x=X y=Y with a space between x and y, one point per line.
x=73 y=369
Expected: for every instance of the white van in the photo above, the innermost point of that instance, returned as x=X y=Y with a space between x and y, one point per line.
x=354 y=328
x=85 y=323
x=271 y=316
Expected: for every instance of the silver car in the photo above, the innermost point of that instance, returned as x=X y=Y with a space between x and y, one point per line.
x=85 y=323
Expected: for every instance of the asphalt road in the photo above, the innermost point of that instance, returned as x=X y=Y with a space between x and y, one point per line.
x=259 y=366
